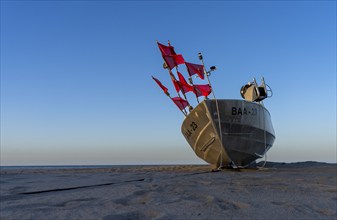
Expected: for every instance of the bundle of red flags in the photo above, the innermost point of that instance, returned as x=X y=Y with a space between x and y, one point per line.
x=172 y=60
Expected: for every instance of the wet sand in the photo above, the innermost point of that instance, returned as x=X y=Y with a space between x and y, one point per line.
x=304 y=190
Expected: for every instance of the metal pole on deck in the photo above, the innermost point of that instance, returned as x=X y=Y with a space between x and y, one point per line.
x=184 y=112
x=195 y=92
x=216 y=102
x=174 y=78
x=181 y=89
x=165 y=66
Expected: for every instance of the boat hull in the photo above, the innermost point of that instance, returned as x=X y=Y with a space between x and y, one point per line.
x=246 y=132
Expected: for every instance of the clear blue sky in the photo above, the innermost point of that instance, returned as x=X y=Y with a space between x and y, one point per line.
x=76 y=83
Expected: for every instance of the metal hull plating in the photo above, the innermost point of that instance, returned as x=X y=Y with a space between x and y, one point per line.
x=246 y=132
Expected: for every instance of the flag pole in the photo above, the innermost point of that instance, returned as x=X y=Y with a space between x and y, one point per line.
x=173 y=78
x=165 y=90
x=165 y=66
x=184 y=112
x=195 y=92
x=181 y=89
x=216 y=102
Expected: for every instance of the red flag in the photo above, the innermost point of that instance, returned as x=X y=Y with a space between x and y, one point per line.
x=195 y=69
x=161 y=85
x=166 y=50
x=169 y=55
x=175 y=82
x=180 y=102
x=185 y=87
x=202 y=90
x=173 y=60
x=178 y=59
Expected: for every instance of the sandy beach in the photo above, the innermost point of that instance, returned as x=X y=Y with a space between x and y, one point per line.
x=304 y=190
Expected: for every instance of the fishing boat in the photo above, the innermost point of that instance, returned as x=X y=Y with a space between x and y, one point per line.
x=223 y=132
